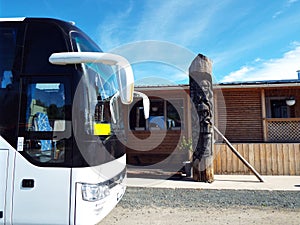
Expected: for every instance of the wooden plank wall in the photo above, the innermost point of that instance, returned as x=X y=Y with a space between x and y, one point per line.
x=240 y=110
x=162 y=148
x=266 y=158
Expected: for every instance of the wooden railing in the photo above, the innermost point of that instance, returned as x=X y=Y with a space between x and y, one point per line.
x=282 y=129
x=266 y=158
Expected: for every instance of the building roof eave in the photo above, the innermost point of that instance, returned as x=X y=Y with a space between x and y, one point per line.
x=261 y=85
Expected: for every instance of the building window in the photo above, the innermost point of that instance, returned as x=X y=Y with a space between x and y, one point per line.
x=277 y=108
x=164 y=115
x=175 y=114
x=157 y=115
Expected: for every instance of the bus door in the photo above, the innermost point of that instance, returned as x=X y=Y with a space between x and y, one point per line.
x=41 y=195
x=3 y=178
x=42 y=175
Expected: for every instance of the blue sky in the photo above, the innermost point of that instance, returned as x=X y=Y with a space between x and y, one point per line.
x=246 y=40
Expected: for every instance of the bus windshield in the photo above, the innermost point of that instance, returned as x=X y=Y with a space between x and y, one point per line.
x=93 y=105
x=101 y=75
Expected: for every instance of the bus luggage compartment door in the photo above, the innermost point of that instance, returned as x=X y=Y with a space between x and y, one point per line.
x=3 y=178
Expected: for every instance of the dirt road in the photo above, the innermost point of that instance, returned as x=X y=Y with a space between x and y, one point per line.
x=211 y=216
x=145 y=206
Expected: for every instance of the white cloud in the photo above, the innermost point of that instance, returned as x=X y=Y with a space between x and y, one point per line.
x=175 y=21
x=272 y=69
x=112 y=30
x=237 y=75
x=277 y=14
x=289 y=2
x=287 y=5
x=257 y=60
x=181 y=77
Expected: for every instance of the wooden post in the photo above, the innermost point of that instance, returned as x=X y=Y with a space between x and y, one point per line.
x=264 y=114
x=201 y=95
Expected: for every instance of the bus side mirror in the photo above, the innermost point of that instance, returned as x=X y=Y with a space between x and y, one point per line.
x=124 y=71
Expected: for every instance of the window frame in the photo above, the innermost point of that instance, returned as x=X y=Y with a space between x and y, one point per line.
x=64 y=136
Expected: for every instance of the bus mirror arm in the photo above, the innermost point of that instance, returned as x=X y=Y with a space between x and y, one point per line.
x=146 y=102
x=111 y=107
x=124 y=70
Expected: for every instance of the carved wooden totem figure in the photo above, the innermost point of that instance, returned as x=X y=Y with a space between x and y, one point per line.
x=201 y=95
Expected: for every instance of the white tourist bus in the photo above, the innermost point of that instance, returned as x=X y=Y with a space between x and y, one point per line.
x=62 y=151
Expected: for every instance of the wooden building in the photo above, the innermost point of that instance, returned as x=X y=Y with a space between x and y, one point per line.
x=155 y=142
x=261 y=119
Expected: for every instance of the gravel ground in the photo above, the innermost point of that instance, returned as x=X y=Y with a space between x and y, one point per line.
x=186 y=206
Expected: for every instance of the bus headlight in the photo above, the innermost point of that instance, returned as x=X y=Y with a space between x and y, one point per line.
x=94 y=192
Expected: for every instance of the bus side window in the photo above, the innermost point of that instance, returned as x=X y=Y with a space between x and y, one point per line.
x=9 y=88
x=6 y=80
x=47 y=99
x=7 y=55
x=45 y=119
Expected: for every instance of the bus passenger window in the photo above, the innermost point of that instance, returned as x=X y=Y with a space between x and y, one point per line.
x=45 y=120
x=45 y=99
x=7 y=55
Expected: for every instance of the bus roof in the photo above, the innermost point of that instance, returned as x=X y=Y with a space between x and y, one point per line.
x=12 y=19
